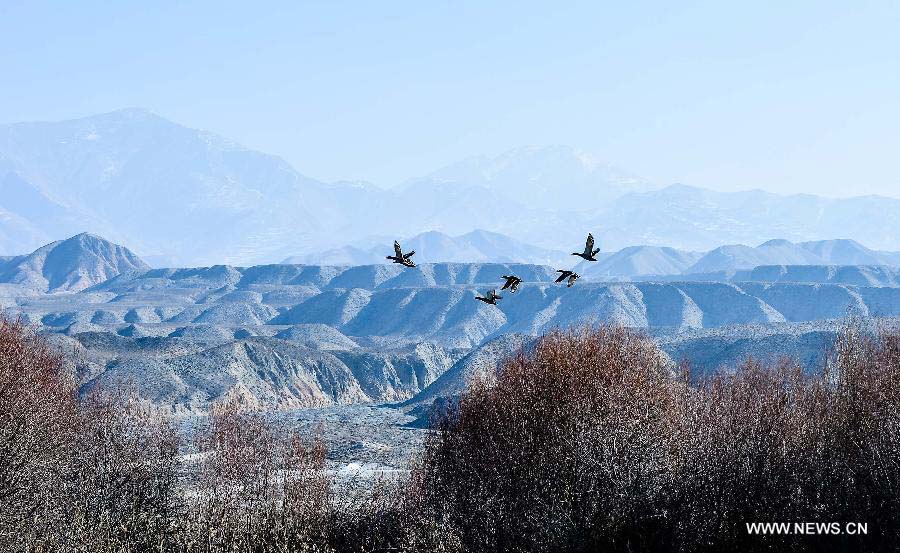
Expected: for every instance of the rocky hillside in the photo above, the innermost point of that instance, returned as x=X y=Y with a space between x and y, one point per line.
x=288 y=336
x=70 y=265
x=188 y=375
x=855 y=275
x=436 y=302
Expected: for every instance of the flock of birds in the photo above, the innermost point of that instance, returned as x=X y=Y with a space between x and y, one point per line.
x=512 y=281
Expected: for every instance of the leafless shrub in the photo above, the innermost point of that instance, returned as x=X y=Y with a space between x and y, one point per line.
x=38 y=407
x=257 y=490
x=569 y=443
x=587 y=443
x=96 y=475
x=122 y=490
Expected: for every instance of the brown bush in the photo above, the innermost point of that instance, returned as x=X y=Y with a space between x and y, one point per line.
x=569 y=443
x=38 y=408
x=587 y=442
x=122 y=489
x=94 y=475
x=257 y=489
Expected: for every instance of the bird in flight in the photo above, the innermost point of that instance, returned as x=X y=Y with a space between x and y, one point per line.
x=589 y=251
x=400 y=257
x=572 y=276
x=491 y=297
x=512 y=282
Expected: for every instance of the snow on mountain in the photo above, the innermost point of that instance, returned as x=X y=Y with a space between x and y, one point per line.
x=287 y=336
x=639 y=260
x=478 y=246
x=735 y=257
x=536 y=177
x=345 y=255
x=18 y=234
x=181 y=196
x=317 y=336
x=162 y=187
x=697 y=219
x=481 y=363
x=728 y=259
x=855 y=275
x=850 y=252
x=71 y=265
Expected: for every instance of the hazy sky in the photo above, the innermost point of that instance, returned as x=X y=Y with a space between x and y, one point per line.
x=784 y=96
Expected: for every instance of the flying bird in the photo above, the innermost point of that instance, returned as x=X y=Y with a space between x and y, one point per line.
x=589 y=251
x=400 y=257
x=491 y=297
x=512 y=282
x=564 y=274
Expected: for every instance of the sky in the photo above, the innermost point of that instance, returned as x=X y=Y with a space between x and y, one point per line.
x=783 y=96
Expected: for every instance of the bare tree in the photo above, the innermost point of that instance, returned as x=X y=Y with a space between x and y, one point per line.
x=38 y=415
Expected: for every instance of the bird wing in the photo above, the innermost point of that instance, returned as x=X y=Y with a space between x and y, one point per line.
x=506 y=284
x=562 y=277
x=589 y=244
x=397 y=251
x=408 y=255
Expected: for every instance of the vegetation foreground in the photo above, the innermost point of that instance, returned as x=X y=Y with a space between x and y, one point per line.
x=586 y=441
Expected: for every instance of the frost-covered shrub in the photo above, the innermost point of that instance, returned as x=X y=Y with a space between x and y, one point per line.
x=588 y=442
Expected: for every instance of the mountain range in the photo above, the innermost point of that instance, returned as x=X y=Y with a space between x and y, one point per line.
x=783 y=252
x=179 y=196
x=108 y=287
x=478 y=246
x=288 y=335
x=86 y=260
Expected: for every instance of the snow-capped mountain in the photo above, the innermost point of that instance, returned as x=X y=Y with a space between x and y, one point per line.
x=314 y=335
x=164 y=188
x=181 y=196
x=478 y=246
x=772 y=252
x=692 y=218
x=639 y=260
x=552 y=177
x=782 y=252
x=70 y=265
x=850 y=252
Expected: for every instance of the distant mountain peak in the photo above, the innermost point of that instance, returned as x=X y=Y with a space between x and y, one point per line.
x=183 y=194
x=86 y=236
x=123 y=115
x=776 y=242
x=435 y=246
x=534 y=176
x=72 y=264
x=133 y=112
x=535 y=159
